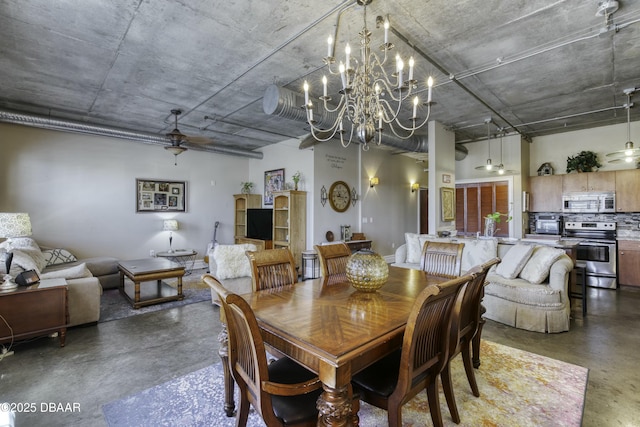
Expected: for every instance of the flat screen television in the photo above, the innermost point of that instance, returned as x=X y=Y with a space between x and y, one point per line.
x=260 y=224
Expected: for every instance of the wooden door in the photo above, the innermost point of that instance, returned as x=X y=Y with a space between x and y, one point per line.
x=424 y=211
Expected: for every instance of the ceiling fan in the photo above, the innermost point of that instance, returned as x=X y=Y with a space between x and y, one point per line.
x=177 y=138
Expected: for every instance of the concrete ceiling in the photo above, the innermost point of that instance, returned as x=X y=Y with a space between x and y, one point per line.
x=535 y=67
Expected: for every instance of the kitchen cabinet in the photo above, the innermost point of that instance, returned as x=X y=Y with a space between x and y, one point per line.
x=629 y=262
x=627 y=194
x=545 y=193
x=589 y=181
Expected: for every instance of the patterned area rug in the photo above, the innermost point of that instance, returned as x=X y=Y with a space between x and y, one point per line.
x=517 y=388
x=114 y=306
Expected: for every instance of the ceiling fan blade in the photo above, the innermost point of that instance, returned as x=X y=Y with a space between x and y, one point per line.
x=199 y=140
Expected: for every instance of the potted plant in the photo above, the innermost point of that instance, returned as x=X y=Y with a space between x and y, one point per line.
x=491 y=220
x=246 y=187
x=296 y=179
x=584 y=161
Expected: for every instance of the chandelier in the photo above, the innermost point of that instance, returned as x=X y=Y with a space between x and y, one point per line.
x=370 y=97
x=629 y=154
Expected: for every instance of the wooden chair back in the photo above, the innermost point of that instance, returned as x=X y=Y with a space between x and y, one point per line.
x=333 y=258
x=425 y=347
x=464 y=333
x=272 y=268
x=442 y=258
x=248 y=361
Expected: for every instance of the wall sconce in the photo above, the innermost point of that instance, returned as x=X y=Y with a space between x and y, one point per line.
x=374 y=181
x=323 y=195
x=415 y=187
x=354 y=196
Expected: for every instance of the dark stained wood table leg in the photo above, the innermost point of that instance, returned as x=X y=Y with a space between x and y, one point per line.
x=229 y=383
x=334 y=407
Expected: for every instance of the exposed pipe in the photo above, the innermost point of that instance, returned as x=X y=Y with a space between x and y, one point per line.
x=113 y=132
x=285 y=103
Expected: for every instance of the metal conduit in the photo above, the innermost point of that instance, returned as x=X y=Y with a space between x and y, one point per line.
x=285 y=103
x=90 y=129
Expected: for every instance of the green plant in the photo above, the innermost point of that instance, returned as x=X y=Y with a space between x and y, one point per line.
x=246 y=187
x=296 y=177
x=584 y=161
x=496 y=216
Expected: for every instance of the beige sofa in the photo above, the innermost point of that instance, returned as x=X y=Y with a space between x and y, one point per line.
x=84 y=289
x=526 y=291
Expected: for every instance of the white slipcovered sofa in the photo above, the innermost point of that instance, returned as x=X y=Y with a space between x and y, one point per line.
x=527 y=290
x=230 y=265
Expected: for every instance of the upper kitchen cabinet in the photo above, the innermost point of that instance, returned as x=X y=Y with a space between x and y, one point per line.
x=589 y=181
x=627 y=194
x=545 y=193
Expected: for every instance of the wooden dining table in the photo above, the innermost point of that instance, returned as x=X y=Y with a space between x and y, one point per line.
x=336 y=331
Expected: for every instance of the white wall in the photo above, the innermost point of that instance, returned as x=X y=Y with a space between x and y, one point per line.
x=80 y=191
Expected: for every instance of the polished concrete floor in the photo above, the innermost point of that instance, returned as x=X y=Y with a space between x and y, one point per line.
x=115 y=359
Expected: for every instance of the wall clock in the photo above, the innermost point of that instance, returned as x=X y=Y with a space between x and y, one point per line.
x=339 y=196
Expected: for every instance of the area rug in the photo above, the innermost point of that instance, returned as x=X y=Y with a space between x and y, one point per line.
x=114 y=306
x=517 y=388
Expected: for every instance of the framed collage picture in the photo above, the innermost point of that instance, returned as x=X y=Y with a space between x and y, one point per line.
x=160 y=195
x=273 y=181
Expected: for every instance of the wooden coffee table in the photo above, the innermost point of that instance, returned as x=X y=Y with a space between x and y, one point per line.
x=150 y=270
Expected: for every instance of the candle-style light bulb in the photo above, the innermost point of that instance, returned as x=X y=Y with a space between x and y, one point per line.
x=324 y=86
x=342 y=75
x=430 y=85
x=386 y=31
x=329 y=45
x=400 y=68
x=347 y=51
x=306 y=93
x=415 y=107
x=411 y=62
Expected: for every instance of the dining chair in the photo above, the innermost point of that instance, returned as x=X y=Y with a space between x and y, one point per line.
x=398 y=377
x=272 y=268
x=442 y=258
x=333 y=258
x=463 y=335
x=282 y=392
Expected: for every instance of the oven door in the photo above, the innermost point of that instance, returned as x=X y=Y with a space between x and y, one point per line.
x=600 y=260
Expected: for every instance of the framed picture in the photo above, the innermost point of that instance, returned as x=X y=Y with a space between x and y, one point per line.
x=448 y=202
x=273 y=181
x=160 y=195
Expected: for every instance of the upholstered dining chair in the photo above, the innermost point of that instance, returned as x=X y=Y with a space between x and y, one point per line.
x=442 y=258
x=282 y=392
x=272 y=268
x=397 y=378
x=463 y=335
x=333 y=258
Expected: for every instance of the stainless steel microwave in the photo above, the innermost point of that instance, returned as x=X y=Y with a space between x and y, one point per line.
x=589 y=202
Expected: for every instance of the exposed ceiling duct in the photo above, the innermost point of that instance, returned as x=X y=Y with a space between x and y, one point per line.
x=91 y=129
x=285 y=103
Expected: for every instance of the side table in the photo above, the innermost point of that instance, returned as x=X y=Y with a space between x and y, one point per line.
x=32 y=311
x=184 y=257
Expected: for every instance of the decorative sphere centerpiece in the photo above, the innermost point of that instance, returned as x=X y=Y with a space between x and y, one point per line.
x=367 y=271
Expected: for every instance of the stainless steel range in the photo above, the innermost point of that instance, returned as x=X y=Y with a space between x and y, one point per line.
x=597 y=250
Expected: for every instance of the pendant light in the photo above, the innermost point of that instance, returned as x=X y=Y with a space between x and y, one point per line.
x=629 y=154
x=488 y=166
x=500 y=170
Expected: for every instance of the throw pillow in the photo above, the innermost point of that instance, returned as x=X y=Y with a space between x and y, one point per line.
x=21 y=262
x=28 y=246
x=477 y=252
x=537 y=268
x=514 y=260
x=58 y=256
x=76 y=272
x=231 y=261
x=414 y=250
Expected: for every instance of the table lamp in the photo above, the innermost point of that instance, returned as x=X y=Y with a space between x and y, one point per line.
x=170 y=225
x=12 y=225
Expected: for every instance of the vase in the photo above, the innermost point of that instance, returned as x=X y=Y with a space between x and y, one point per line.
x=295 y=185
x=367 y=271
x=489 y=227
